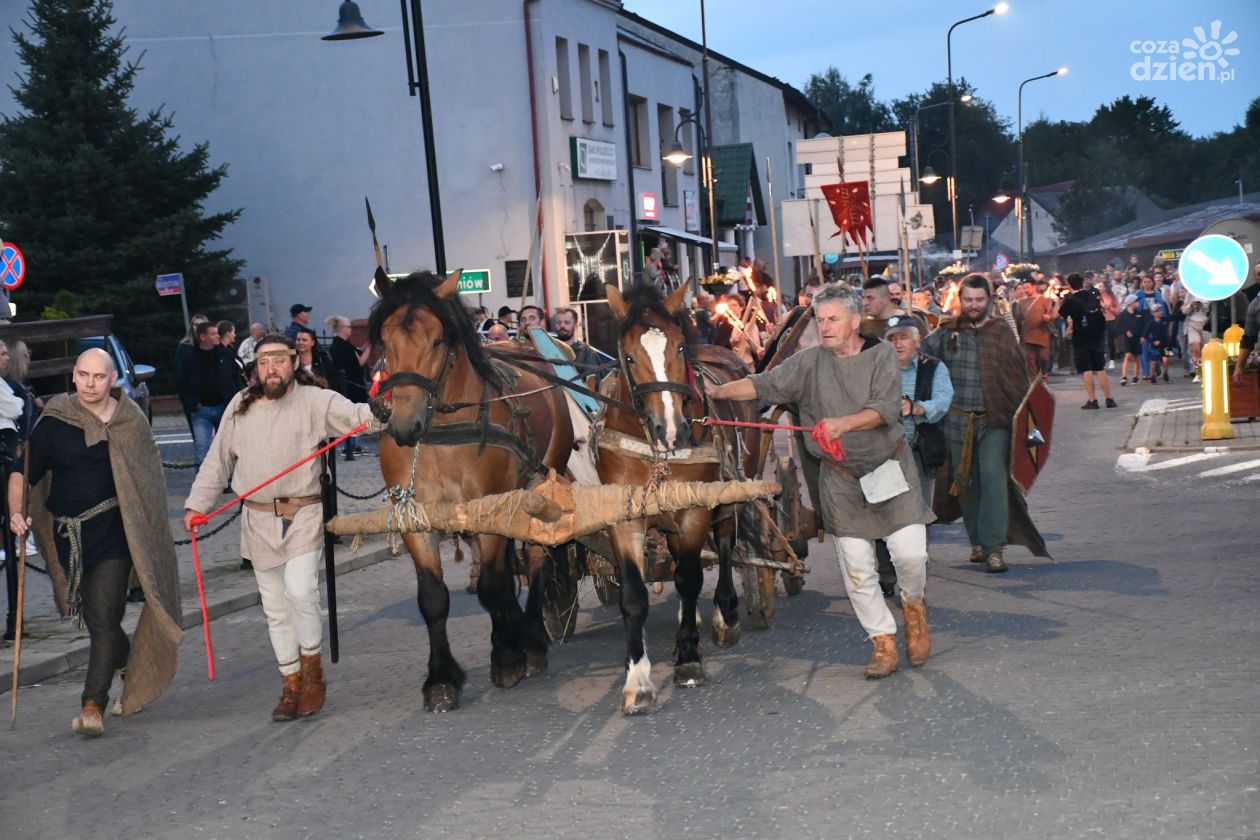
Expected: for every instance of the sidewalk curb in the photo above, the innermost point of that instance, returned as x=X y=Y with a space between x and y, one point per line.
x=37 y=667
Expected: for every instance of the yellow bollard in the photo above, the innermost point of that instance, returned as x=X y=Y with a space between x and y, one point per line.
x=1215 y=393
x=1233 y=341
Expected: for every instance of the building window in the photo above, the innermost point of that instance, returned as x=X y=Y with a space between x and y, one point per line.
x=563 y=82
x=592 y=216
x=584 y=79
x=604 y=92
x=639 y=128
x=688 y=139
x=669 y=172
x=514 y=277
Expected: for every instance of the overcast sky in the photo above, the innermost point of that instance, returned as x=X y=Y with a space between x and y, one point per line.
x=902 y=44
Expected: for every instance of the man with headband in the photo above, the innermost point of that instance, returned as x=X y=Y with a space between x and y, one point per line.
x=276 y=422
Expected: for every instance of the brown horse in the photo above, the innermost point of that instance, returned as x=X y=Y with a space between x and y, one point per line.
x=662 y=378
x=461 y=427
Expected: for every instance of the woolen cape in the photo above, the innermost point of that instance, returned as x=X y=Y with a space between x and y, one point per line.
x=1003 y=384
x=141 y=487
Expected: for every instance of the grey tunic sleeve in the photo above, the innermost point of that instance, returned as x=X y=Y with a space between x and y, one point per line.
x=885 y=391
x=785 y=384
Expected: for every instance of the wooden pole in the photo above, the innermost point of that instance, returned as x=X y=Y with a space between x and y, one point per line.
x=21 y=587
x=774 y=226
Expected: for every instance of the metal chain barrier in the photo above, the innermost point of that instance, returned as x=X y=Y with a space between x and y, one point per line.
x=350 y=495
x=211 y=533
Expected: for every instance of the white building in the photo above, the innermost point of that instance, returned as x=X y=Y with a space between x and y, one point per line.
x=551 y=110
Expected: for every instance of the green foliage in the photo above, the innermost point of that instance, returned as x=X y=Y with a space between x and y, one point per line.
x=848 y=108
x=101 y=197
x=65 y=304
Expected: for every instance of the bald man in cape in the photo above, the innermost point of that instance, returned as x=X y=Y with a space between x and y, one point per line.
x=98 y=505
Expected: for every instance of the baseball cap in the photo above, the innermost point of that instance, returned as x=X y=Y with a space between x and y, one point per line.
x=297 y=308
x=1130 y=299
x=899 y=322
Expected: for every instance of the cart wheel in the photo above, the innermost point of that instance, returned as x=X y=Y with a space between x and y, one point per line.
x=560 y=595
x=793 y=584
x=608 y=590
x=755 y=599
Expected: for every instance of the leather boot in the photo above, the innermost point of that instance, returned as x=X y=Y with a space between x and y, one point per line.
x=90 y=721
x=314 y=687
x=918 y=639
x=287 y=708
x=977 y=554
x=994 y=562
x=884 y=658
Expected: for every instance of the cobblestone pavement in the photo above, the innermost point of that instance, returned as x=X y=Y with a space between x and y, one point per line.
x=1110 y=693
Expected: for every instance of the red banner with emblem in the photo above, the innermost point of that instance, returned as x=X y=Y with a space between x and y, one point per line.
x=850 y=203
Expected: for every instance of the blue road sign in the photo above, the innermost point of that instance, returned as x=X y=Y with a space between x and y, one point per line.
x=1213 y=267
x=169 y=284
x=12 y=266
x=1001 y=262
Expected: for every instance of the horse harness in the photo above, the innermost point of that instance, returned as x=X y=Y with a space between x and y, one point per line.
x=482 y=432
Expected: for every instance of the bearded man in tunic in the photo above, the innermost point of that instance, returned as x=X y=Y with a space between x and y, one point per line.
x=990 y=378
x=98 y=497
x=275 y=422
x=852 y=385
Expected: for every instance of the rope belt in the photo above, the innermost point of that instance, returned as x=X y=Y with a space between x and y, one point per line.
x=71 y=527
x=962 y=473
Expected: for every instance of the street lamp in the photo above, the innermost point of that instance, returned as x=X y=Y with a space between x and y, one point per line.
x=677 y=155
x=351 y=26
x=999 y=9
x=914 y=131
x=1023 y=176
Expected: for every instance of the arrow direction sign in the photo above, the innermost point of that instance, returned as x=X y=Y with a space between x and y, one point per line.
x=1213 y=267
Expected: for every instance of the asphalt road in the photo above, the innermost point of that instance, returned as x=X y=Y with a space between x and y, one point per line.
x=1111 y=693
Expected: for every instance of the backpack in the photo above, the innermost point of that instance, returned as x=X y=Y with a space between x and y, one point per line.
x=929 y=438
x=1092 y=323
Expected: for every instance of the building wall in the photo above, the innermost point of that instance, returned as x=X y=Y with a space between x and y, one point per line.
x=308 y=128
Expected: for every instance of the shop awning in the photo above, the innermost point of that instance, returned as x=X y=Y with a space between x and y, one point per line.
x=685 y=236
x=737 y=185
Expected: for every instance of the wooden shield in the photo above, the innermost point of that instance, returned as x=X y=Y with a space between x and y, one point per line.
x=1031 y=435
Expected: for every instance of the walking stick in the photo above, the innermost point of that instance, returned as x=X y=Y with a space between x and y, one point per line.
x=21 y=587
x=328 y=482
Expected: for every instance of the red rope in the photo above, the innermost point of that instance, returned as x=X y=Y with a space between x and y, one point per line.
x=834 y=448
x=204 y=518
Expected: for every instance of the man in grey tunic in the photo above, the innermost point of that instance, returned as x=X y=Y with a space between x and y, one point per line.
x=852 y=385
x=276 y=422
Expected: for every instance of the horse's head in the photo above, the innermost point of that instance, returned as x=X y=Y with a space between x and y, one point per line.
x=654 y=354
x=421 y=327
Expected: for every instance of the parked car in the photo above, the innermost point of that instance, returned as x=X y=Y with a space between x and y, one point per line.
x=132 y=378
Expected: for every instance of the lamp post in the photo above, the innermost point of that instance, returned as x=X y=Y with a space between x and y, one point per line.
x=350 y=26
x=914 y=130
x=678 y=155
x=1023 y=176
x=999 y=9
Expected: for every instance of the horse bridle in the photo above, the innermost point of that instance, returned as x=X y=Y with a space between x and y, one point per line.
x=381 y=404
x=690 y=392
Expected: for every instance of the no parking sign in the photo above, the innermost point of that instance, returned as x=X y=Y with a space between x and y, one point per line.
x=12 y=266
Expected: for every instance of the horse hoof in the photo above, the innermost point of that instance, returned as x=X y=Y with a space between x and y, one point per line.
x=441 y=698
x=724 y=635
x=689 y=675
x=535 y=663
x=638 y=703
x=506 y=675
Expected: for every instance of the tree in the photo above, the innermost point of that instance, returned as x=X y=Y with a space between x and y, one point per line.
x=849 y=109
x=100 y=197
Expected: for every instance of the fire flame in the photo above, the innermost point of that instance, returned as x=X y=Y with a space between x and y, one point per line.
x=951 y=297
x=723 y=310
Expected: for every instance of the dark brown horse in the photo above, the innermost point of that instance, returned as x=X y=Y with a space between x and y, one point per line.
x=662 y=378
x=460 y=427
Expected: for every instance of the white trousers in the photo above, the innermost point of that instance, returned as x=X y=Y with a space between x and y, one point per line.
x=290 y=600
x=908 y=549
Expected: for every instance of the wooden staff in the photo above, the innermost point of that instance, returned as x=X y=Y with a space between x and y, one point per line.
x=21 y=587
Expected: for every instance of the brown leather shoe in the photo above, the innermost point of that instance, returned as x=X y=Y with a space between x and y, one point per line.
x=977 y=554
x=884 y=658
x=90 y=721
x=918 y=638
x=314 y=687
x=287 y=708
x=994 y=562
